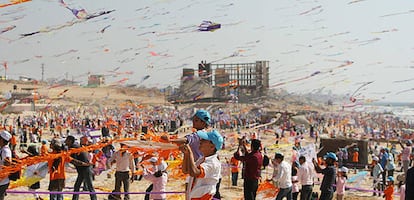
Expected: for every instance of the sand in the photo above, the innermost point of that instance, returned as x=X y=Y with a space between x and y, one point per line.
x=113 y=96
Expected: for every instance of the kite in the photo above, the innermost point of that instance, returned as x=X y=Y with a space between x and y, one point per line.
x=345 y=63
x=145 y=78
x=208 y=26
x=406 y=80
x=103 y=30
x=352 y=98
x=13 y=2
x=157 y=54
x=122 y=81
x=5 y=65
x=9 y=28
x=412 y=89
x=400 y=13
x=313 y=9
x=230 y=83
x=80 y=14
x=203 y=27
x=67 y=52
x=387 y=31
x=67 y=24
x=115 y=72
x=355 y=1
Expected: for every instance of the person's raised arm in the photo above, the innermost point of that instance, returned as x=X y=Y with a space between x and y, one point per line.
x=178 y=141
x=317 y=167
x=192 y=169
x=402 y=146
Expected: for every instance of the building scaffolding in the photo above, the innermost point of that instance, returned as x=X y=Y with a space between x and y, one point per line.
x=238 y=82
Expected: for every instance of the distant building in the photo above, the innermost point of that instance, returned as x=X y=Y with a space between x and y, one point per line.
x=96 y=80
x=237 y=82
x=25 y=78
x=66 y=82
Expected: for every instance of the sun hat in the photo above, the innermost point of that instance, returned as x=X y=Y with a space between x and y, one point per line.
x=5 y=135
x=212 y=136
x=331 y=155
x=204 y=116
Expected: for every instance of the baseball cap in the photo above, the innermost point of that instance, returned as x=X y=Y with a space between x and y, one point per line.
x=390 y=178
x=212 y=136
x=162 y=166
x=203 y=115
x=5 y=135
x=375 y=158
x=331 y=155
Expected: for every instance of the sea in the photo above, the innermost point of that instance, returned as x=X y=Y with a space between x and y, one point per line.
x=403 y=110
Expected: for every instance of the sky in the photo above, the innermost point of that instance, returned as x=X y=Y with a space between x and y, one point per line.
x=361 y=48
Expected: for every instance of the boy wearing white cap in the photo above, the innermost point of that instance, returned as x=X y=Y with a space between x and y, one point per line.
x=205 y=172
x=341 y=182
x=376 y=173
x=5 y=160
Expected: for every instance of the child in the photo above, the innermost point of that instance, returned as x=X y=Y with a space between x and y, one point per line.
x=295 y=181
x=234 y=164
x=341 y=182
x=376 y=173
x=401 y=185
x=159 y=181
x=389 y=190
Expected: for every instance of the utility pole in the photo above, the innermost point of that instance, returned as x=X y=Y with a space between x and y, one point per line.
x=43 y=70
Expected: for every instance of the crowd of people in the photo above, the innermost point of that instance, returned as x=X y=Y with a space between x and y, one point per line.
x=294 y=178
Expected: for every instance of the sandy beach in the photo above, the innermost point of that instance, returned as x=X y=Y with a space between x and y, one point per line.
x=113 y=97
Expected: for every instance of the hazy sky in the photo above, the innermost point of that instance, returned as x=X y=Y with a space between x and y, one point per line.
x=322 y=45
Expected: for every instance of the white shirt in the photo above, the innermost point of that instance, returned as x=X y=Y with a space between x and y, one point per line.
x=124 y=163
x=159 y=184
x=5 y=153
x=284 y=175
x=207 y=184
x=377 y=171
x=306 y=173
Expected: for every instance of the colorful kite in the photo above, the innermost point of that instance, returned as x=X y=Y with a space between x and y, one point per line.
x=9 y=28
x=13 y=2
x=208 y=26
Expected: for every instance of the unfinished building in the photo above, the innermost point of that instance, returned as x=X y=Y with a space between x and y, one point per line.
x=238 y=82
